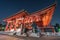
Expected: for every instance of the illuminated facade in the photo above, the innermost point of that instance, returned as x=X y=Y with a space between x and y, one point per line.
x=23 y=19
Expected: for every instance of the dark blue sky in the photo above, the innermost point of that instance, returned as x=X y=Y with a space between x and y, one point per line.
x=9 y=7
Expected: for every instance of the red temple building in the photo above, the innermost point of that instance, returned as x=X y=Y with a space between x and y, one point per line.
x=13 y=20
x=42 y=18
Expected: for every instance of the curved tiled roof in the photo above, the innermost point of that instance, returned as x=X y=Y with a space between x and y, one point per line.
x=20 y=13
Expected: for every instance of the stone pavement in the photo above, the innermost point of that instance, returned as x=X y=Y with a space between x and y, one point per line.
x=6 y=37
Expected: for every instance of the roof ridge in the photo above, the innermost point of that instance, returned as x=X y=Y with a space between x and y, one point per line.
x=23 y=10
x=44 y=8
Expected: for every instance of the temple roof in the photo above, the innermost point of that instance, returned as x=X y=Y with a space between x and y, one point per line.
x=24 y=12
x=54 y=4
x=20 y=13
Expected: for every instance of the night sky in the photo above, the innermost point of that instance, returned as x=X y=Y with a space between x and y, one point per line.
x=10 y=7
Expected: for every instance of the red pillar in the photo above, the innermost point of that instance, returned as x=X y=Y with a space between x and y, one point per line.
x=7 y=26
x=10 y=27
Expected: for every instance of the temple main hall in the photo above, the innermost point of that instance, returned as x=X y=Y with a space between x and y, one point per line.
x=32 y=21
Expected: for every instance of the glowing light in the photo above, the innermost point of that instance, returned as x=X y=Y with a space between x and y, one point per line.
x=11 y=30
x=45 y=19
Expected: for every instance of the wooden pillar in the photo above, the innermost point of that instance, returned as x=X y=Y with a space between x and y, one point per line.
x=15 y=27
x=21 y=27
x=7 y=26
x=11 y=25
x=52 y=29
x=14 y=23
x=42 y=29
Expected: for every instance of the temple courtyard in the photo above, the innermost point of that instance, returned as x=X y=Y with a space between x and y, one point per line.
x=7 y=37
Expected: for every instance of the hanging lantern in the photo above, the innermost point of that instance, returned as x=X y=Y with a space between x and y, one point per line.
x=37 y=18
x=25 y=20
x=30 y=20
